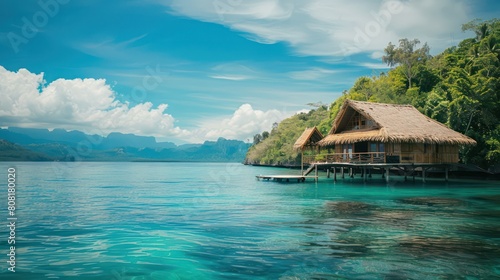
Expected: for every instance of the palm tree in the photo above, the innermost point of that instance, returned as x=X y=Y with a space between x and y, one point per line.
x=490 y=45
x=472 y=56
x=482 y=32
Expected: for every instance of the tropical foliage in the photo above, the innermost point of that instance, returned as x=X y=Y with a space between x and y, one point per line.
x=459 y=87
x=277 y=148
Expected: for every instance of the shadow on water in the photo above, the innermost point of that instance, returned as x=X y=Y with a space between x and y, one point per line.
x=444 y=246
x=495 y=199
x=455 y=237
x=433 y=201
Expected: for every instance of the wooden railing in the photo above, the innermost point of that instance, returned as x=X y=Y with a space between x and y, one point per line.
x=377 y=157
x=347 y=158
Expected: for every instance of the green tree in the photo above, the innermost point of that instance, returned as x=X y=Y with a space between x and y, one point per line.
x=257 y=138
x=406 y=56
x=265 y=134
x=479 y=27
x=493 y=142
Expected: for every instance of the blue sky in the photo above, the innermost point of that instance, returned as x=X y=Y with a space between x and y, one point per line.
x=189 y=71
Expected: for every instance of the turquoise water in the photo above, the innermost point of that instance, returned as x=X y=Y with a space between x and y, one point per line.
x=215 y=221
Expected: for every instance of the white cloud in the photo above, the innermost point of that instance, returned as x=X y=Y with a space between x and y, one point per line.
x=335 y=28
x=377 y=66
x=230 y=77
x=303 y=111
x=312 y=74
x=233 y=71
x=244 y=123
x=89 y=105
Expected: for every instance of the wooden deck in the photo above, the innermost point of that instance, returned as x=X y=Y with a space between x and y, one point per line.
x=364 y=169
x=285 y=178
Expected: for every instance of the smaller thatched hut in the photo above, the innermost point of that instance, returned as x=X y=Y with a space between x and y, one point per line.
x=390 y=133
x=309 y=139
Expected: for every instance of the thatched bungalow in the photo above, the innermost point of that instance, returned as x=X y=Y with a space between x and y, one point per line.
x=309 y=139
x=367 y=132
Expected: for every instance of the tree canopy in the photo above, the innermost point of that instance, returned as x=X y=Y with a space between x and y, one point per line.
x=407 y=57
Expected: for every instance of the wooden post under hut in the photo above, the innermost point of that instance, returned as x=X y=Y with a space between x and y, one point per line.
x=446 y=174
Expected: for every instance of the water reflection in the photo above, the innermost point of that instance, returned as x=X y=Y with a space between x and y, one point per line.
x=438 y=234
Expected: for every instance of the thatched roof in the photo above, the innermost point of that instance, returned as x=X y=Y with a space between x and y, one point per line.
x=309 y=137
x=392 y=123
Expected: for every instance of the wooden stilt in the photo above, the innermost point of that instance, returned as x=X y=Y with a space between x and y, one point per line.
x=364 y=174
x=369 y=172
x=302 y=162
x=316 y=173
x=342 y=171
x=446 y=174
x=387 y=169
x=328 y=173
x=423 y=174
x=335 y=174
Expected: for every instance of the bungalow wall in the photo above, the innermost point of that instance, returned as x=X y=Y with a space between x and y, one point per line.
x=424 y=153
x=408 y=152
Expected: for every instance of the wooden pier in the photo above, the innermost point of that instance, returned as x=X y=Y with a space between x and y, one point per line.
x=366 y=170
x=344 y=169
x=285 y=178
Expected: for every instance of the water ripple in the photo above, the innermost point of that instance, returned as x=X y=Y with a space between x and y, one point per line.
x=164 y=221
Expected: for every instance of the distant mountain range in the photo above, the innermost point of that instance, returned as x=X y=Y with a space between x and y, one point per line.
x=28 y=144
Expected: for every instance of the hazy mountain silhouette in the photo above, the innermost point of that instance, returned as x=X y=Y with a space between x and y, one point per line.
x=59 y=144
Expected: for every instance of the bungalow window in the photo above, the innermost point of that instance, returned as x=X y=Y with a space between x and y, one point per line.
x=377 y=147
x=381 y=147
x=358 y=122
x=347 y=150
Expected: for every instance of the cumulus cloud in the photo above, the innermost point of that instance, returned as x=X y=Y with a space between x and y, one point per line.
x=89 y=105
x=334 y=28
x=243 y=124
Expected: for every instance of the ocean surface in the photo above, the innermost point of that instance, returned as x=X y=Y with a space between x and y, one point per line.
x=216 y=221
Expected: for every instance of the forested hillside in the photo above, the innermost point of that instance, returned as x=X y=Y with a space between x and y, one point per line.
x=459 y=87
x=276 y=148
